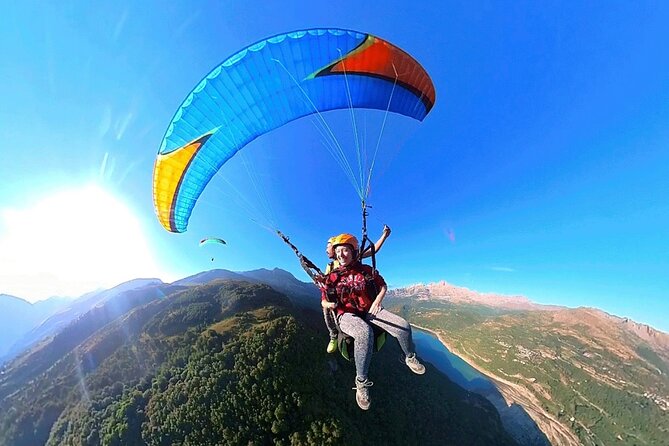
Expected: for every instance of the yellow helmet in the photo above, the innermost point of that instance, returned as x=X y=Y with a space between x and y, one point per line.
x=332 y=239
x=345 y=239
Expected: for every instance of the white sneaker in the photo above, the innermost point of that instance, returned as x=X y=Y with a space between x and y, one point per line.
x=413 y=363
x=362 y=393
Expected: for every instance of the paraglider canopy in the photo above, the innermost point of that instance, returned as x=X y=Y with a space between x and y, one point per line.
x=212 y=240
x=269 y=84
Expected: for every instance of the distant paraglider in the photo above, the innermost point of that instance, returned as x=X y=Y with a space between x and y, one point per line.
x=212 y=241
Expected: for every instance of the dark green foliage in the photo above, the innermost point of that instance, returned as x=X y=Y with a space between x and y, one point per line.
x=234 y=363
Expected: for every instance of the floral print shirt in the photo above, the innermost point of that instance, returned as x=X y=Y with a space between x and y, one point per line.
x=351 y=288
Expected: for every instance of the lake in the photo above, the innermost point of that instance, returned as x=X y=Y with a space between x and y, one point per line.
x=430 y=349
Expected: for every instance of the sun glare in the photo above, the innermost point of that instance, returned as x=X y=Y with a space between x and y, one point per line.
x=71 y=242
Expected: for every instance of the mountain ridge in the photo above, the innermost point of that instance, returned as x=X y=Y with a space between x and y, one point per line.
x=18 y=316
x=588 y=334
x=303 y=293
x=227 y=362
x=445 y=291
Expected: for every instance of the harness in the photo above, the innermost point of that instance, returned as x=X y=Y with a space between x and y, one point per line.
x=365 y=242
x=344 y=341
x=307 y=265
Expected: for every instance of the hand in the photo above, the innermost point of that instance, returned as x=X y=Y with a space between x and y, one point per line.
x=386 y=230
x=320 y=279
x=375 y=307
x=328 y=305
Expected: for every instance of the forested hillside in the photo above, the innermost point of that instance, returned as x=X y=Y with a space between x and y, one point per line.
x=231 y=363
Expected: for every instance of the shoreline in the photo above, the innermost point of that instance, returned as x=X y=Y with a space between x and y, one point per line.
x=513 y=393
x=454 y=351
x=500 y=383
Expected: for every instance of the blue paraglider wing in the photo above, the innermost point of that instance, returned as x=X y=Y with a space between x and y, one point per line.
x=269 y=84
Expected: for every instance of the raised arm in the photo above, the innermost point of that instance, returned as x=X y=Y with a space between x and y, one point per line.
x=379 y=243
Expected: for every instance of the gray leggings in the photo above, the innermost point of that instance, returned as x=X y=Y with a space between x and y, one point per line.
x=329 y=317
x=363 y=335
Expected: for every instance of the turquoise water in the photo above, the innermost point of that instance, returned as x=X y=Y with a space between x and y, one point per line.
x=431 y=350
x=514 y=418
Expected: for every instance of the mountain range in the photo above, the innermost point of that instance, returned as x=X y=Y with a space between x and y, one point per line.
x=580 y=375
x=445 y=292
x=17 y=317
x=24 y=324
x=225 y=362
x=584 y=376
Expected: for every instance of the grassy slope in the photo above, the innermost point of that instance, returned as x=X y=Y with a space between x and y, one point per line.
x=575 y=368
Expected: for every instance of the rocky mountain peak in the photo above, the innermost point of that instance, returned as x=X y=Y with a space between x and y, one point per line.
x=443 y=290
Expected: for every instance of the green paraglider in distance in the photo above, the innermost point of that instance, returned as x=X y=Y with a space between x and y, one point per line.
x=212 y=240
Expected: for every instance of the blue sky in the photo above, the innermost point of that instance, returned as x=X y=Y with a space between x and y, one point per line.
x=542 y=170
